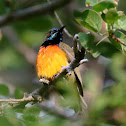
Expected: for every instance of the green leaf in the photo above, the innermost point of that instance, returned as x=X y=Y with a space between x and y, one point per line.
x=18 y=93
x=116 y=44
x=87 y=41
x=104 y=5
x=4 y=90
x=111 y=16
x=91 y=2
x=120 y=35
x=107 y=49
x=121 y=22
x=91 y=20
x=95 y=53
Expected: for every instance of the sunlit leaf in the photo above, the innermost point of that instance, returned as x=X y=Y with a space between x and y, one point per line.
x=111 y=16
x=91 y=2
x=121 y=23
x=106 y=4
x=91 y=20
x=120 y=35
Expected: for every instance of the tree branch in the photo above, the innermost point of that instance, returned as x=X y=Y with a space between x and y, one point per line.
x=79 y=55
x=52 y=110
x=44 y=91
x=61 y=23
x=118 y=40
x=36 y=10
x=39 y=93
x=29 y=99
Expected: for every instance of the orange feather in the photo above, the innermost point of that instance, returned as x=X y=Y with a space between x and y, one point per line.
x=50 y=60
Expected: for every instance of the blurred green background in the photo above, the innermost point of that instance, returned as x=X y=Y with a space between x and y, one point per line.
x=104 y=78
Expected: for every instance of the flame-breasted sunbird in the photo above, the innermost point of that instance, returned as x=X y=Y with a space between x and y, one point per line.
x=52 y=55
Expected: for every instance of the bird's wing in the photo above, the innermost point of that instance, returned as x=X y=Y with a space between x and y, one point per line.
x=70 y=55
x=68 y=50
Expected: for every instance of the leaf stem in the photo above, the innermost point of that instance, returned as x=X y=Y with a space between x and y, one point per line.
x=102 y=40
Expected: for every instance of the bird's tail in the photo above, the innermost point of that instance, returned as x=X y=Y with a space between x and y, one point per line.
x=84 y=104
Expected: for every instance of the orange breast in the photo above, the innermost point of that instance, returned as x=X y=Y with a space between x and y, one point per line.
x=49 y=61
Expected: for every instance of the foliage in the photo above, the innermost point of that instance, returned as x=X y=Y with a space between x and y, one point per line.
x=113 y=19
x=105 y=95
x=91 y=20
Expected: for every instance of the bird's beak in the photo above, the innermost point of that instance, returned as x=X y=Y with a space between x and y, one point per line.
x=61 y=29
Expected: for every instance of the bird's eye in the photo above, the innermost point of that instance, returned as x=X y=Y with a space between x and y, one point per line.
x=50 y=32
x=55 y=30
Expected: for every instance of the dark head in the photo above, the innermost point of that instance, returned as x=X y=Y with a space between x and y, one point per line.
x=54 y=36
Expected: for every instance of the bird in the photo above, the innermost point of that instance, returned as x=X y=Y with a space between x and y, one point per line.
x=53 y=55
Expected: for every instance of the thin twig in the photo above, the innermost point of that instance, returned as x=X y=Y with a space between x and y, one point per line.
x=52 y=110
x=121 y=42
x=79 y=55
x=118 y=40
x=61 y=23
x=102 y=40
x=29 y=99
x=112 y=35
